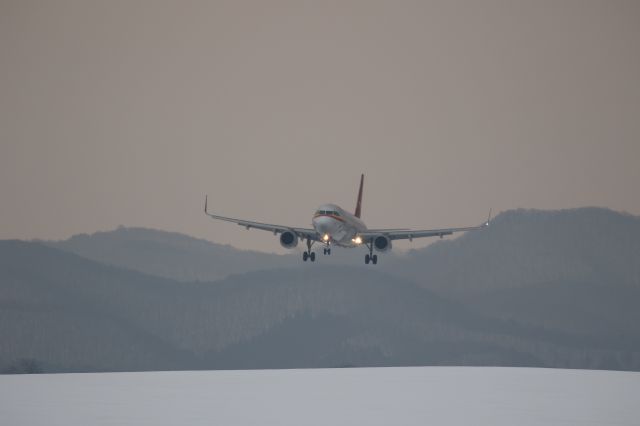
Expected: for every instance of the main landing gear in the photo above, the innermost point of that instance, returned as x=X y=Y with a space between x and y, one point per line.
x=309 y=254
x=370 y=257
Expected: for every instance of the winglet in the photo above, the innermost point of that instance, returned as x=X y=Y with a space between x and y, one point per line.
x=488 y=219
x=359 y=203
x=205 y=203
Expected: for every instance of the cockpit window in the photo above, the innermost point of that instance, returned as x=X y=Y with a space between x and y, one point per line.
x=327 y=212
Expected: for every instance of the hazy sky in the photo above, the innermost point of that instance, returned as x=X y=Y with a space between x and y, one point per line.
x=128 y=112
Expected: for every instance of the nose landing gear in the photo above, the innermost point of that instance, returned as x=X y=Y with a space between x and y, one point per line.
x=326 y=251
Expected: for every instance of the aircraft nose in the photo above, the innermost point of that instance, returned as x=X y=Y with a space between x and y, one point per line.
x=323 y=225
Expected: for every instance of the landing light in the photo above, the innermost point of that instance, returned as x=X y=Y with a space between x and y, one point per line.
x=325 y=237
x=357 y=240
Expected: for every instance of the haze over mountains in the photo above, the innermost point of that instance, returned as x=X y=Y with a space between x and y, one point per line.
x=168 y=254
x=537 y=288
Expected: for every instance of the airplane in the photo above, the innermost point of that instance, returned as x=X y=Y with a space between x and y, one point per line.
x=332 y=225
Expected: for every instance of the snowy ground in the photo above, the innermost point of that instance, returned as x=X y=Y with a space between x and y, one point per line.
x=371 y=396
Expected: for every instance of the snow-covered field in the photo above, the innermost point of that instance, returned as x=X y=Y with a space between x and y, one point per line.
x=362 y=396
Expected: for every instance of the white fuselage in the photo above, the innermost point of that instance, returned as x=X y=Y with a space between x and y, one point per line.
x=334 y=225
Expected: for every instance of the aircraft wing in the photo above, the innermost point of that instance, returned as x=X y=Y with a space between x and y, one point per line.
x=410 y=234
x=308 y=233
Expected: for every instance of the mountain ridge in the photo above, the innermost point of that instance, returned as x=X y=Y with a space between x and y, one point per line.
x=72 y=313
x=166 y=254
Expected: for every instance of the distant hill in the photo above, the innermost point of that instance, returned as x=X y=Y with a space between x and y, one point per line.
x=64 y=312
x=525 y=248
x=169 y=254
x=572 y=270
x=72 y=314
x=180 y=257
x=520 y=248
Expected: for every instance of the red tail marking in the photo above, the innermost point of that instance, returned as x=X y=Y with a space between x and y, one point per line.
x=359 y=203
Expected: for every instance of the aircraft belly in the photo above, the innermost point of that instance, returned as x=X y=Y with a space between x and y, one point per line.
x=343 y=236
x=340 y=232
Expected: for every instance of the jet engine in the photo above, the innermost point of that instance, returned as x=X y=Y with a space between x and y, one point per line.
x=382 y=243
x=288 y=239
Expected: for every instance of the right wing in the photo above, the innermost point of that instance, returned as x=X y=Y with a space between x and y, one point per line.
x=308 y=233
x=410 y=234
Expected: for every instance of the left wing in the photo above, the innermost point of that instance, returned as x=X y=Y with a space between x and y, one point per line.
x=409 y=234
x=276 y=229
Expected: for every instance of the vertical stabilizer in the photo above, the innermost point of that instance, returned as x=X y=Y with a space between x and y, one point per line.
x=359 y=203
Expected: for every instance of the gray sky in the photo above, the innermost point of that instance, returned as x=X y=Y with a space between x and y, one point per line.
x=128 y=112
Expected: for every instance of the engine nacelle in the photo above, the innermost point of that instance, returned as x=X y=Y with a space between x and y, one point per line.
x=382 y=243
x=288 y=239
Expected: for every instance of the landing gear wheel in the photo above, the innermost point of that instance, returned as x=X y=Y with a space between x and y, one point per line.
x=367 y=258
x=309 y=254
x=329 y=251
x=374 y=259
